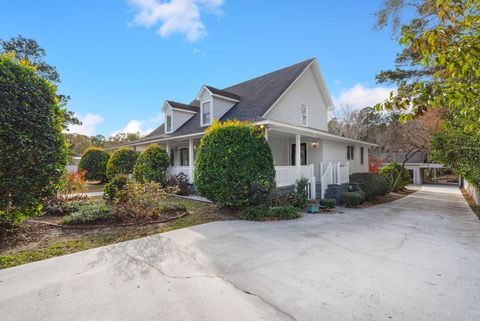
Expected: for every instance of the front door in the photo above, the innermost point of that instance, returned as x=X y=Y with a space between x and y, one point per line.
x=303 y=154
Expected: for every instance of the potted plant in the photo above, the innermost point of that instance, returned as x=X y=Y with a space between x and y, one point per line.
x=312 y=206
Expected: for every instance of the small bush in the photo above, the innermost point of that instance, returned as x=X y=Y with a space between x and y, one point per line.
x=115 y=186
x=152 y=165
x=88 y=212
x=351 y=199
x=372 y=184
x=121 y=162
x=141 y=200
x=73 y=182
x=392 y=171
x=328 y=202
x=301 y=191
x=94 y=163
x=362 y=194
x=265 y=213
x=234 y=165
x=181 y=182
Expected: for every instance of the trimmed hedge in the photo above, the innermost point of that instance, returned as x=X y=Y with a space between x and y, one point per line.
x=152 y=165
x=265 y=213
x=372 y=184
x=328 y=202
x=234 y=165
x=351 y=199
x=122 y=162
x=94 y=162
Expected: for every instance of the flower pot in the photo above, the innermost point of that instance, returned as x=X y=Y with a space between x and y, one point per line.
x=313 y=208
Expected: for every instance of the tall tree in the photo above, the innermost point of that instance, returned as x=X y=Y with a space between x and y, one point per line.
x=31 y=51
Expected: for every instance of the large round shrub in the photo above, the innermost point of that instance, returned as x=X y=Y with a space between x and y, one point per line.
x=372 y=184
x=121 y=162
x=94 y=162
x=152 y=165
x=398 y=176
x=234 y=165
x=33 y=152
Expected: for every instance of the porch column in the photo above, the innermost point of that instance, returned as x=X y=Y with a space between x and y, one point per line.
x=167 y=148
x=297 y=154
x=266 y=133
x=190 y=160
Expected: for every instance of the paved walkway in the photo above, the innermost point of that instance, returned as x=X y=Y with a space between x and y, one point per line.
x=414 y=259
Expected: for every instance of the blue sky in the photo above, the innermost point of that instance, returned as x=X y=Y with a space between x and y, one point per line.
x=119 y=60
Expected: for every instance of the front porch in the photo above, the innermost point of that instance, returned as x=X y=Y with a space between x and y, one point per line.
x=295 y=155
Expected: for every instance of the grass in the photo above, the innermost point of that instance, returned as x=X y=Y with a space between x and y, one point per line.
x=200 y=213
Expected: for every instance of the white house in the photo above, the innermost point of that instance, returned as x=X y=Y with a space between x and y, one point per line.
x=290 y=104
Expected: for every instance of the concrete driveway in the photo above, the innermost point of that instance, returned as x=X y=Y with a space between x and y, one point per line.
x=417 y=258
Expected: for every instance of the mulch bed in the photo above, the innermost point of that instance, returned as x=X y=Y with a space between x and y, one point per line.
x=475 y=208
x=390 y=197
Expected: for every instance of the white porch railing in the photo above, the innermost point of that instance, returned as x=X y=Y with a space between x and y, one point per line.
x=288 y=175
x=333 y=173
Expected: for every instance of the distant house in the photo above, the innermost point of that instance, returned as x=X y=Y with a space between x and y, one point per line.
x=420 y=169
x=290 y=104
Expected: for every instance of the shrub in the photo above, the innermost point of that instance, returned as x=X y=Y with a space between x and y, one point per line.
x=59 y=206
x=265 y=213
x=121 y=162
x=88 y=212
x=351 y=199
x=114 y=186
x=152 y=165
x=301 y=193
x=141 y=200
x=33 y=151
x=372 y=184
x=94 y=162
x=362 y=194
x=328 y=202
x=73 y=182
x=181 y=182
x=391 y=173
x=234 y=165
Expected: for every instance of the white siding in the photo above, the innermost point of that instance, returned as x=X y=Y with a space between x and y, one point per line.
x=337 y=152
x=305 y=91
x=280 y=150
x=178 y=117
x=220 y=107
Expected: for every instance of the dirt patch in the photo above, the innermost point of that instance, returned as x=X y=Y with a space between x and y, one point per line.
x=475 y=208
x=390 y=197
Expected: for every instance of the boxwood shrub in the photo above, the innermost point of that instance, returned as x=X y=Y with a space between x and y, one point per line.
x=121 y=162
x=328 y=202
x=372 y=184
x=234 y=165
x=351 y=199
x=152 y=165
x=94 y=162
x=265 y=213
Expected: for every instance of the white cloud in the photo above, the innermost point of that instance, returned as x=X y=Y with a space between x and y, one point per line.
x=175 y=16
x=360 y=96
x=141 y=126
x=88 y=126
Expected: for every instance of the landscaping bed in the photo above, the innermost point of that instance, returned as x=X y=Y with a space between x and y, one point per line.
x=387 y=198
x=475 y=208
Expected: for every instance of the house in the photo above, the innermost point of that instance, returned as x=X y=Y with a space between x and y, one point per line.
x=420 y=169
x=291 y=105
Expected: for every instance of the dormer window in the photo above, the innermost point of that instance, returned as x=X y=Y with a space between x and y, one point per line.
x=206 y=113
x=168 y=124
x=304 y=115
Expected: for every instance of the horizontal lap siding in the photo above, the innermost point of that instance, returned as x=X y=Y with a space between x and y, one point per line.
x=337 y=152
x=304 y=91
x=220 y=107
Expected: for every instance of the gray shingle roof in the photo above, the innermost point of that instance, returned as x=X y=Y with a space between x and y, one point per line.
x=177 y=105
x=222 y=93
x=420 y=157
x=255 y=97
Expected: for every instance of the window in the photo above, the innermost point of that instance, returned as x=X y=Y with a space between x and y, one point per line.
x=168 y=123
x=206 y=113
x=361 y=155
x=350 y=152
x=303 y=154
x=172 y=157
x=304 y=115
x=183 y=156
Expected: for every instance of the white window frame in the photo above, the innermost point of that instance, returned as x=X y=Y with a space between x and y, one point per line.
x=302 y=106
x=201 y=113
x=166 y=123
x=350 y=152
